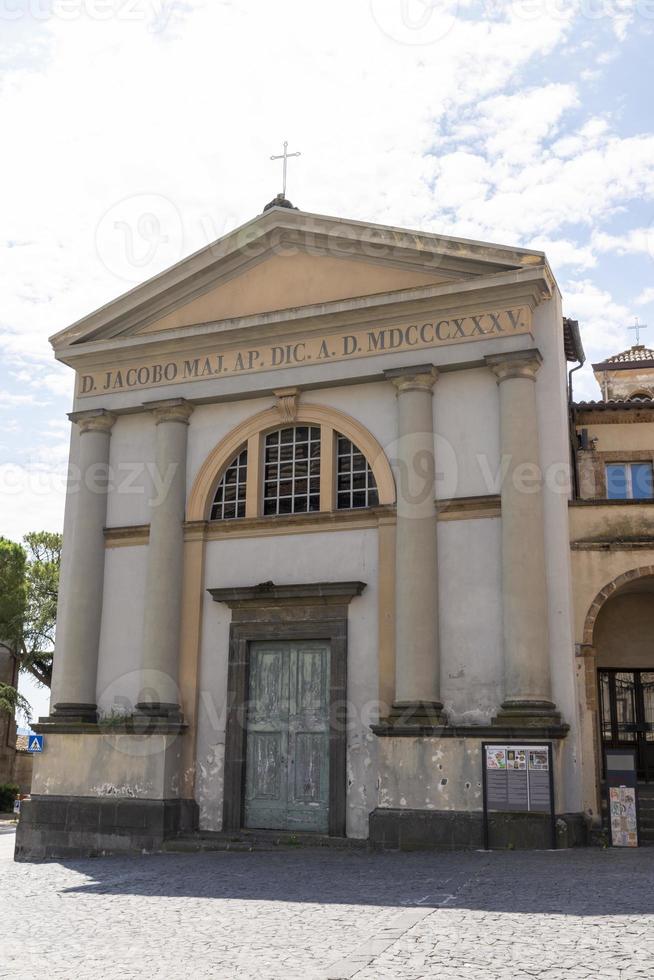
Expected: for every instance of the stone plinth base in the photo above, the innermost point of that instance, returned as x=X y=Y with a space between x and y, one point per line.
x=53 y=827
x=416 y=714
x=450 y=830
x=528 y=714
x=99 y=790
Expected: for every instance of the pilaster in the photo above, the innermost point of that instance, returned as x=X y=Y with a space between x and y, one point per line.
x=163 y=594
x=417 y=662
x=527 y=682
x=76 y=665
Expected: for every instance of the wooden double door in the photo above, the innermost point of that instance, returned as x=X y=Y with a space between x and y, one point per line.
x=287 y=740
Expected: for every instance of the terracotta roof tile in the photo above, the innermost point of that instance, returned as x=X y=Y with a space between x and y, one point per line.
x=635 y=355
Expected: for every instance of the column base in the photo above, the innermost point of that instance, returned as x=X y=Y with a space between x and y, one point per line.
x=159 y=710
x=528 y=714
x=418 y=714
x=68 y=712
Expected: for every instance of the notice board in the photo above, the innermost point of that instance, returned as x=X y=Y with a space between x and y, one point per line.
x=518 y=777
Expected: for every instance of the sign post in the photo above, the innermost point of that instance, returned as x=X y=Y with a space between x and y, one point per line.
x=518 y=777
x=622 y=793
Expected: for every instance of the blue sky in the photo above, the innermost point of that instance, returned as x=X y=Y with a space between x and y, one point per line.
x=136 y=131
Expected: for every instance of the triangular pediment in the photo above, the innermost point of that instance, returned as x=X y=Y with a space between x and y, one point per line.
x=283 y=282
x=291 y=260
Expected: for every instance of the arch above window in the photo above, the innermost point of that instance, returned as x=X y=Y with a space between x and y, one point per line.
x=340 y=437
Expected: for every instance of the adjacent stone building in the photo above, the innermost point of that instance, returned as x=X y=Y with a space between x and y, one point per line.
x=316 y=545
x=612 y=542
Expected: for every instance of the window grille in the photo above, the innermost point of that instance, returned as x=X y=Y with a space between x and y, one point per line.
x=355 y=482
x=229 y=501
x=291 y=483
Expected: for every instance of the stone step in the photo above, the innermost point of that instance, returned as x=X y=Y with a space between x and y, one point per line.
x=186 y=845
x=257 y=840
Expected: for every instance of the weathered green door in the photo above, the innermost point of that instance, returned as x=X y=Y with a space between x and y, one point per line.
x=287 y=765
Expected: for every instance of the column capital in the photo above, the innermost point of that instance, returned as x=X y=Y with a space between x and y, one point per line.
x=515 y=364
x=421 y=377
x=170 y=410
x=94 y=420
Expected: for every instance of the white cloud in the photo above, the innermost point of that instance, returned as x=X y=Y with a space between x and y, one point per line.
x=516 y=125
x=633 y=242
x=647 y=296
x=32 y=498
x=562 y=253
x=603 y=323
x=9 y=398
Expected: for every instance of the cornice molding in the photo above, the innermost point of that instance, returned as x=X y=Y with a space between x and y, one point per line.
x=267 y=593
x=524 y=287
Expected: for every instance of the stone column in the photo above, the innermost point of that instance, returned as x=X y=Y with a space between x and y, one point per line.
x=417 y=667
x=163 y=591
x=77 y=664
x=527 y=684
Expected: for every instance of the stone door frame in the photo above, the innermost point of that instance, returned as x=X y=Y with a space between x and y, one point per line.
x=317 y=611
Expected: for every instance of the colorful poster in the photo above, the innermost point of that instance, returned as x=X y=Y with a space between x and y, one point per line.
x=495 y=757
x=516 y=758
x=622 y=812
x=538 y=760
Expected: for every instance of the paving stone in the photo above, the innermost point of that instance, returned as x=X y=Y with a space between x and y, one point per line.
x=316 y=915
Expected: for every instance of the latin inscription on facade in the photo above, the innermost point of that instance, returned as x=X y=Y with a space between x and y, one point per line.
x=419 y=335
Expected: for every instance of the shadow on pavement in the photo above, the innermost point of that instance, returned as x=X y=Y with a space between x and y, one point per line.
x=585 y=882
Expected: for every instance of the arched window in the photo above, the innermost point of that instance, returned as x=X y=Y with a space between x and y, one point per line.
x=355 y=482
x=640 y=394
x=291 y=478
x=268 y=466
x=229 y=501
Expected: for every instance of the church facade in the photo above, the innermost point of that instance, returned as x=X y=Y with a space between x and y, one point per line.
x=316 y=545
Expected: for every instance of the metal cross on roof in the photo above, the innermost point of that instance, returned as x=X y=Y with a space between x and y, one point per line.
x=637 y=327
x=284 y=156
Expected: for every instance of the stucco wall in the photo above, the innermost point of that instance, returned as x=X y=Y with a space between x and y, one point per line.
x=470 y=608
x=108 y=765
x=621 y=436
x=132 y=478
x=121 y=634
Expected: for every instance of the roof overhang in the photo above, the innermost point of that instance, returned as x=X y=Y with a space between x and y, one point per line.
x=572 y=345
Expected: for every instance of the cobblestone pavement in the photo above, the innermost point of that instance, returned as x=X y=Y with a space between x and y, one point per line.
x=318 y=914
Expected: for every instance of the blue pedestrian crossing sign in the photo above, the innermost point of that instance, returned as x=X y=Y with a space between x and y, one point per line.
x=35 y=743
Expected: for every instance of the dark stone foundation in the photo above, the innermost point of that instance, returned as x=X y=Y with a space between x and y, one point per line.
x=52 y=827
x=452 y=830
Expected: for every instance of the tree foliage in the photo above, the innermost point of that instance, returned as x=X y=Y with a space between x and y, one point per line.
x=29 y=586
x=11 y=701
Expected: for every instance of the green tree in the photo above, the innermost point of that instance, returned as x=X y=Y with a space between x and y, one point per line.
x=29 y=585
